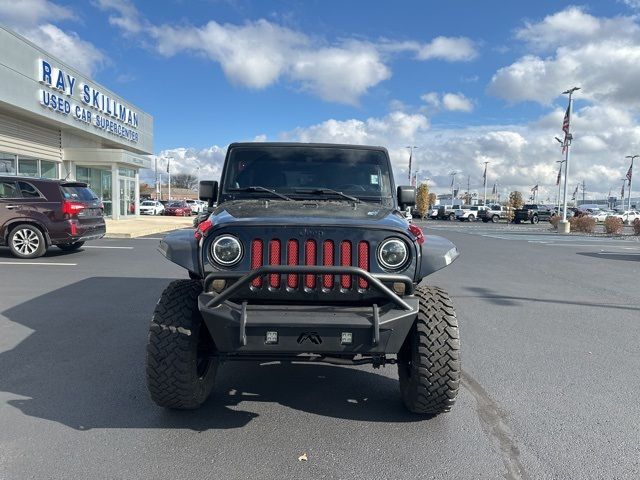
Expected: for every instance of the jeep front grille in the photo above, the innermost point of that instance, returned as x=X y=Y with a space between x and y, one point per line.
x=309 y=252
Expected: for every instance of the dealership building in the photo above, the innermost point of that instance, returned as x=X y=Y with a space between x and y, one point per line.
x=56 y=122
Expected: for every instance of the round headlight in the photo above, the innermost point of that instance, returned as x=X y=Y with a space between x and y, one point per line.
x=393 y=254
x=226 y=250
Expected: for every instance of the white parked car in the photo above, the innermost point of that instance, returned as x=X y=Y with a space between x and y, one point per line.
x=602 y=215
x=468 y=213
x=627 y=215
x=196 y=206
x=151 y=207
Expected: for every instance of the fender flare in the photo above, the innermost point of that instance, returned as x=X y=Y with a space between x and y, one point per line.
x=181 y=248
x=437 y=253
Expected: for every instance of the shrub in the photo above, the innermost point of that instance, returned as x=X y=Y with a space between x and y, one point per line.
x=554 y=221
x=613 y=225
x=586 y=224
x=636 y=226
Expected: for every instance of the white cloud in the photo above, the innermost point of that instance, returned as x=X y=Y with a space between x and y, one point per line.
x=453 y=102
x=258 y=54
x=28 y=13
x=520 y=155
x=32 y=18
x=67 y=46
x=456 y=102
x=601 y=55
x=451 y=49
x=125 y=16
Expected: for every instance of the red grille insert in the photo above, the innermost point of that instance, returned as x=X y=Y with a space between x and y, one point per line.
x=292 y=259
x=345 y=261
x=363 y=262
x=327 y=260
x=256 y=261
x=274 y=259
x=310 y=259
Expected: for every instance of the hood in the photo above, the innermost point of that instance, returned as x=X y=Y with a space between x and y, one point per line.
x=308 y=212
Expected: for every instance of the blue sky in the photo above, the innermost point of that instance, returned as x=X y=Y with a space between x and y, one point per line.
x=467 y=81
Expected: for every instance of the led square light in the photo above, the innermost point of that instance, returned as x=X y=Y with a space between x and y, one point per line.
x=271 y=337
x=346 y=338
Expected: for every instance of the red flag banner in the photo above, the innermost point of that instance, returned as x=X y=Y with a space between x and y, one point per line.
x=565 y=122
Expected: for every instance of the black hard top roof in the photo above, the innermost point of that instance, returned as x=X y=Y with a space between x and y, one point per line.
x=302 y=144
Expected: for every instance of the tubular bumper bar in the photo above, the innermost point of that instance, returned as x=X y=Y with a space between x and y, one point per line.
x=211 y=301
x=375 y=281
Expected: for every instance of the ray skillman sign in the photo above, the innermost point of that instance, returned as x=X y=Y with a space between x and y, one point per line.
x=94 y=107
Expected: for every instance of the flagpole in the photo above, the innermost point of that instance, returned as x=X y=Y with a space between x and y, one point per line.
x=410 y=158
x=630 y=175
x=485 y=182
x=568 y=138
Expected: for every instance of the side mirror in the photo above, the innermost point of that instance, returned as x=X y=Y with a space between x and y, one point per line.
x=208 y=191
x=406 y=197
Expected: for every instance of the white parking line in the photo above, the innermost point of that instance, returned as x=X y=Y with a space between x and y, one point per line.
x=103 y=246
x=617 y=253
x=40 y=263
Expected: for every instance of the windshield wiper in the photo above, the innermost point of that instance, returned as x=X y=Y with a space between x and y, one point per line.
x=327 y=191
x=258 y=188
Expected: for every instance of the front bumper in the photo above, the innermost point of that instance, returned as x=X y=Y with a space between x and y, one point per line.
x=239 y=327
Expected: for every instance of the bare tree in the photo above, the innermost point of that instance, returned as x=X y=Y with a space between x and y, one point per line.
x=184 y=180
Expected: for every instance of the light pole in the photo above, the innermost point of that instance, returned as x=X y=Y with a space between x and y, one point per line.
x=630 y=175
x=558 y=181
x=411 y=147
x=566 y=125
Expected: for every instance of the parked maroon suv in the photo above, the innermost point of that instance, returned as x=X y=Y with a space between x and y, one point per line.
x=36 y=213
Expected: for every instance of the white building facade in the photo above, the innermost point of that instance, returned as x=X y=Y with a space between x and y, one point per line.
x=57 y=123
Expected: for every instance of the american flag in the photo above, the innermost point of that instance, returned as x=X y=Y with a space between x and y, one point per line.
x=565 y=122
x=630 y=172
x=575 y=192
x=168 y=162
x=410 y=155
x=559 y=175
x=414 y=180
x=484 y=175
x=495 y=190
x=622 y=191
x=534 y=189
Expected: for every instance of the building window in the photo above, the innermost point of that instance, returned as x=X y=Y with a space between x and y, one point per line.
x=7 y=163
x=127 y=172
x=27 y=166
x=48 y=169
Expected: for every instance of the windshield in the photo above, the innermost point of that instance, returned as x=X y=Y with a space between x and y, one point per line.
x=308 y=172
x=177 y=204
x=149 y=204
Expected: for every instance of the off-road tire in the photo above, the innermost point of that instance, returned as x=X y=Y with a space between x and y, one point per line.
x=70 y=247
x=429 y=360
x=180 y=370
x=27 y=241
x=495 y=218
x=452 y=216
x=534 y=219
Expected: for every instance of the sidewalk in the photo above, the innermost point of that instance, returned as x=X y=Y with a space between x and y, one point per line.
x=141 y=226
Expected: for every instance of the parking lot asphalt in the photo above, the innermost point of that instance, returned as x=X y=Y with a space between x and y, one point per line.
x=550 y=331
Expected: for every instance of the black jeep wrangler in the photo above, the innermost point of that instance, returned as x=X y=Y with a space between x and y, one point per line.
x=307 y=257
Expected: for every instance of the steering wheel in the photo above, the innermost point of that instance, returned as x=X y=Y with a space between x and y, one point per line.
x=351 y=186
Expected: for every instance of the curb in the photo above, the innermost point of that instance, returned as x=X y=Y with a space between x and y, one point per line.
x=141 y=233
